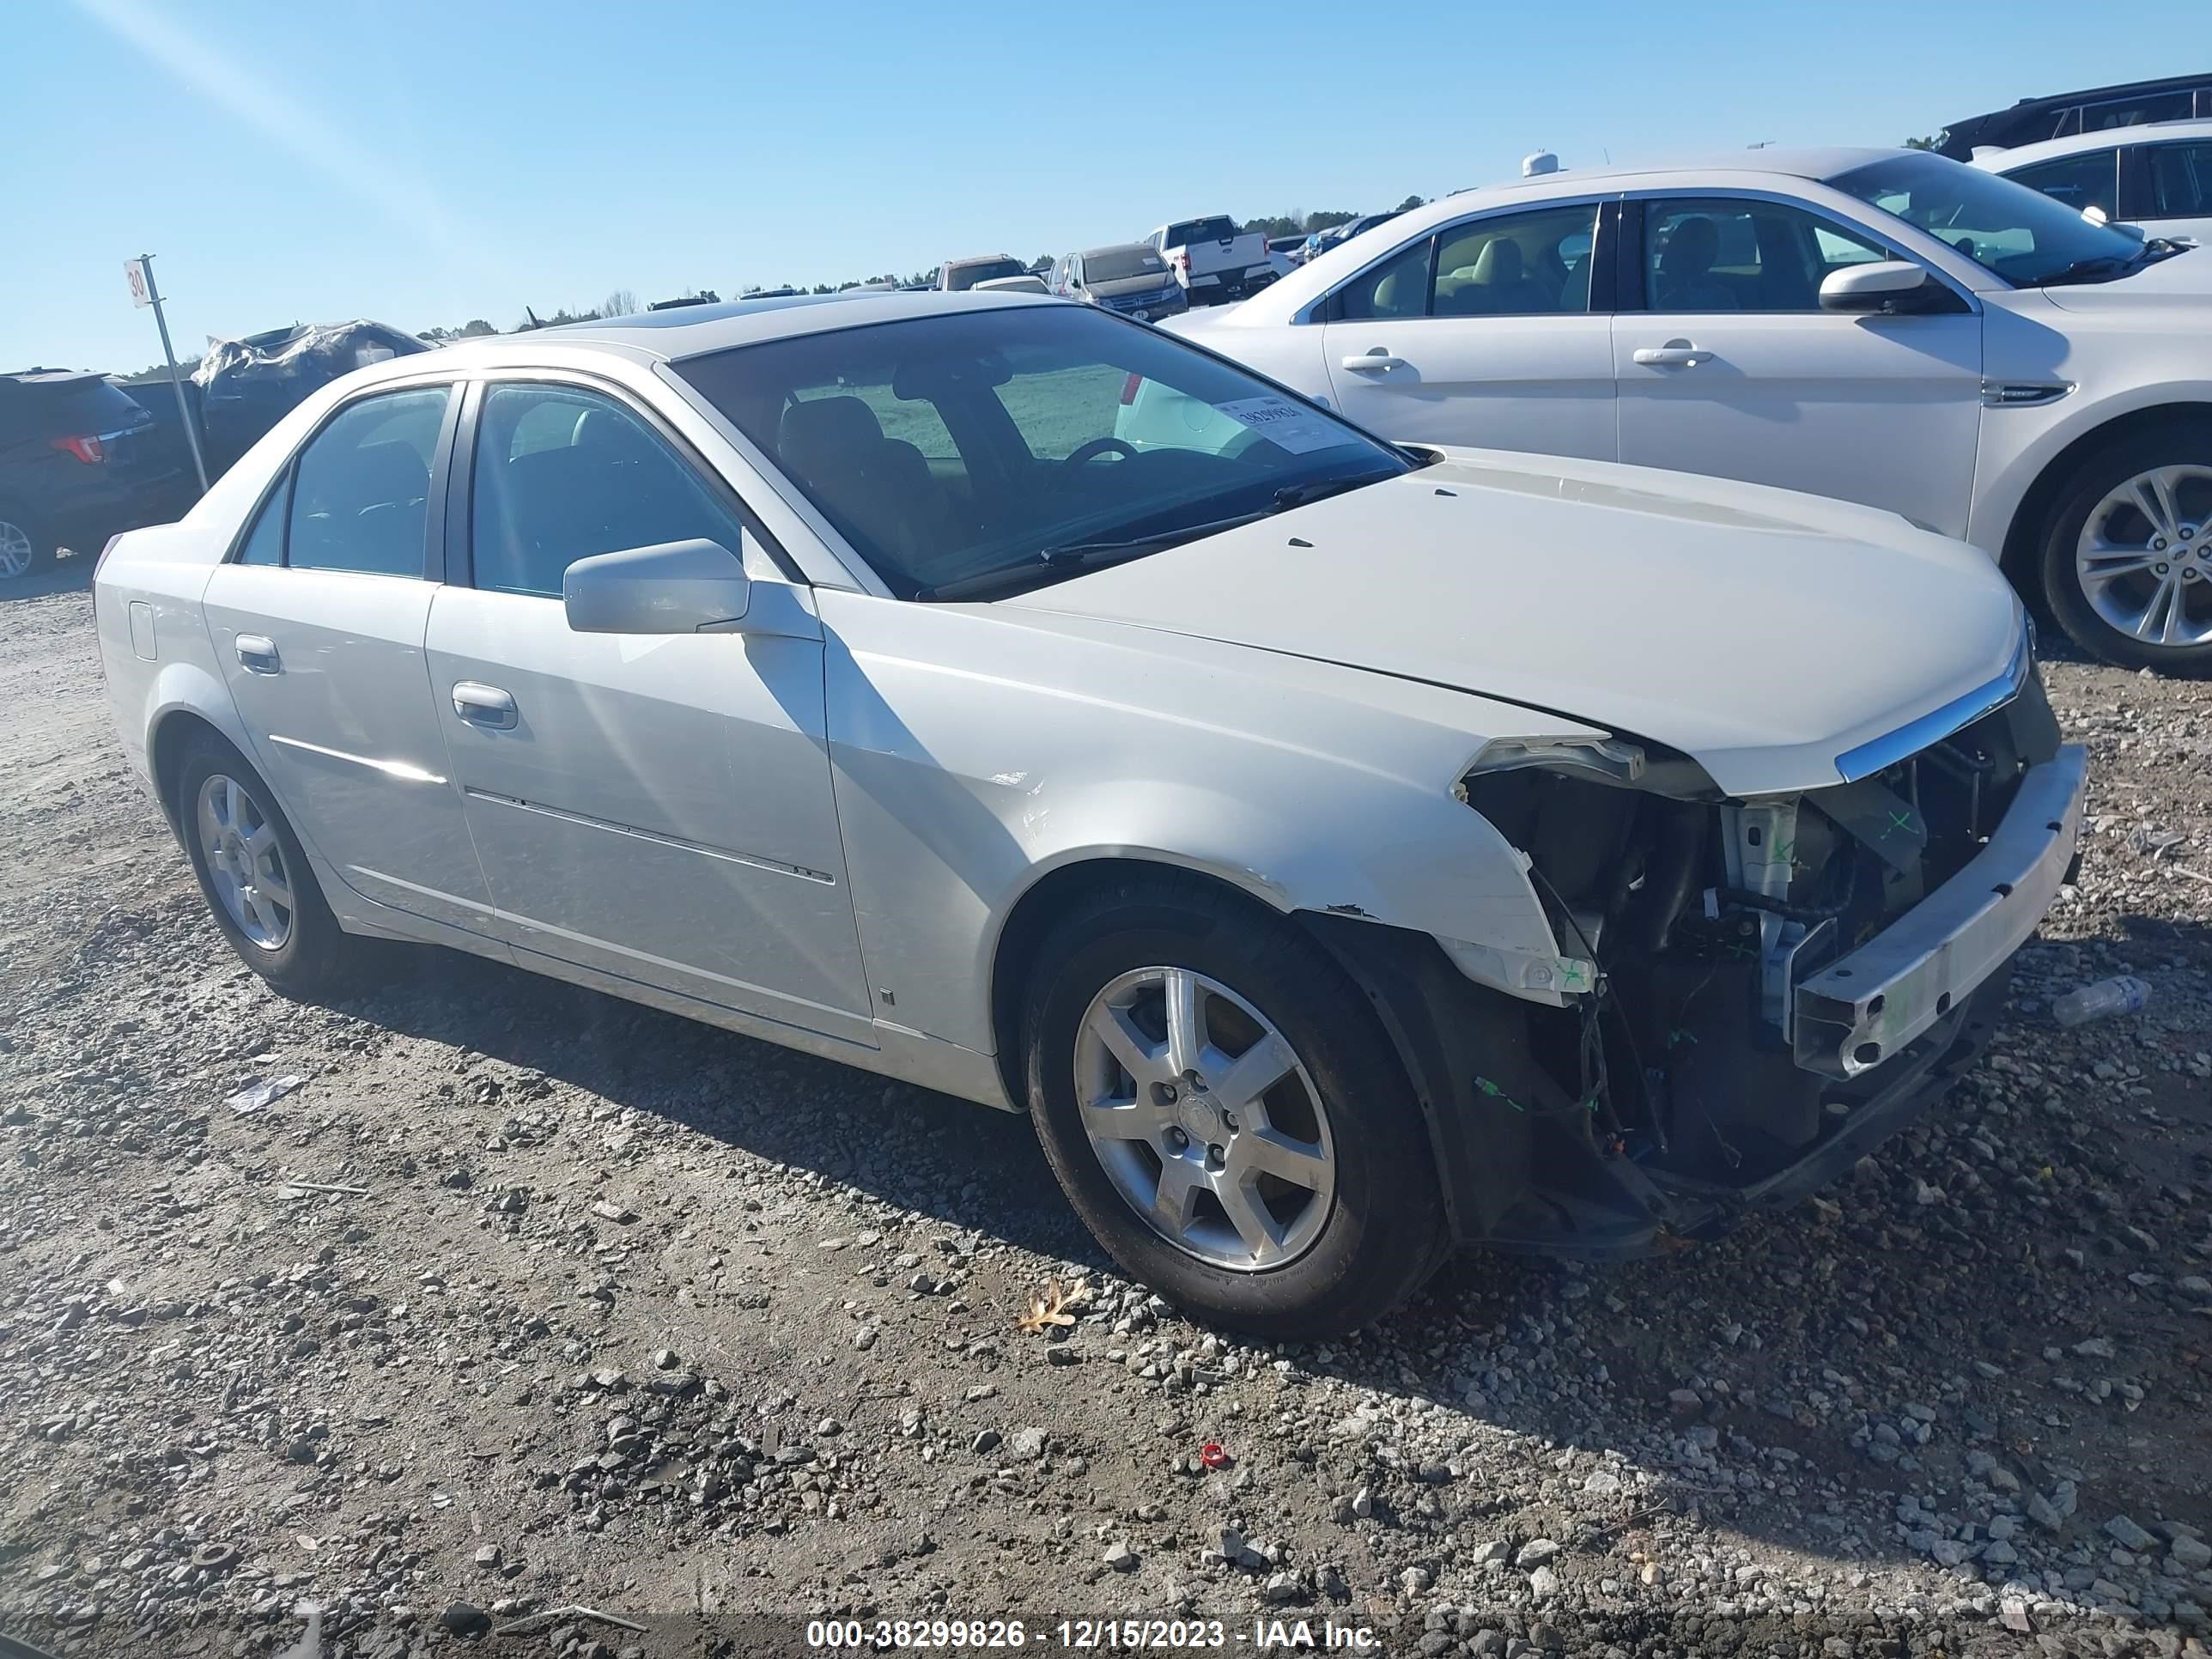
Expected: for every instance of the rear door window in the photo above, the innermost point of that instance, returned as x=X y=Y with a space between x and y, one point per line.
x=2089 y=179
x=360 y=488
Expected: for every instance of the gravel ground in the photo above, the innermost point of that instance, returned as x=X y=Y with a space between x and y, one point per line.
x=524 y=1298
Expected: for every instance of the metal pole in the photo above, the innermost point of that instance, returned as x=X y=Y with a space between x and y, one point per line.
x=176 y=380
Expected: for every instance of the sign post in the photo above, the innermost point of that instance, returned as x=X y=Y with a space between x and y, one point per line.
x=139 y=273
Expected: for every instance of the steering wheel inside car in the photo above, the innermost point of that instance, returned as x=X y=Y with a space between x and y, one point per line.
x=1095 y=448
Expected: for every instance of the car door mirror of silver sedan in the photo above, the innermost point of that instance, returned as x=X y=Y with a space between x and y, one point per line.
x=672 y=587
x=1881 y=285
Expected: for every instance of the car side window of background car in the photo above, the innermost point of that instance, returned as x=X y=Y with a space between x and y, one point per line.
x=1518 y=264
x=265 y=541
x=2180 y=180
x=1399 y=287
x=1735 y=254
x=361 y=486
x=562 y=474
x=2089 y=179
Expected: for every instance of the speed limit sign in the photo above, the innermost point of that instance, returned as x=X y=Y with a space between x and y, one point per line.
x=134 y=272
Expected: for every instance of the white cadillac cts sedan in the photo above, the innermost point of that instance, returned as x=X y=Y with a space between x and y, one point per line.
x=1342 y=851
x=1884 y=326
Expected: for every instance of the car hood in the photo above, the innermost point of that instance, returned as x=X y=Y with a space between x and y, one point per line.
x=1762 y=632
x=2179 y=282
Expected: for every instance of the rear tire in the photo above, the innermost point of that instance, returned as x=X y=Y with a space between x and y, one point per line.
x=2127 y=560
x=1328 y=1168
x=26 y=546
x=256 y=879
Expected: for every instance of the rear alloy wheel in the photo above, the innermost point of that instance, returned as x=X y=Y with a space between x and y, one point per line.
x=1223 y=1109
x=24 y=550
x=256 y=878
x=2129 y=562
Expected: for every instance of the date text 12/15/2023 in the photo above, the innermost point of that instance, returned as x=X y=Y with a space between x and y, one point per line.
x=1085 y=1634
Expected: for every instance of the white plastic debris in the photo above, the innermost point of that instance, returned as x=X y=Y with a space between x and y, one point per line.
x=256 y=1095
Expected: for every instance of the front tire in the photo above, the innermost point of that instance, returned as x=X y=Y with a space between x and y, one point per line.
x=2126 y=564
x=256 y=878
x=1224 y=1111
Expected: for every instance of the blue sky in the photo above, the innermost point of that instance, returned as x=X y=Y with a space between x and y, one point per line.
x=425 y=163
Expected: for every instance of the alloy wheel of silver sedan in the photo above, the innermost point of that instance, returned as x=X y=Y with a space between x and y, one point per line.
x=245 y=861
x=1205 y=1119
x=2144 y=556
x=17 y=554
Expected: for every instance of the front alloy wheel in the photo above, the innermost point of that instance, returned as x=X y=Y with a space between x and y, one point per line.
x=19 y=554
x=1225 y=1111
x=1204 y=1118
x=2144 y=556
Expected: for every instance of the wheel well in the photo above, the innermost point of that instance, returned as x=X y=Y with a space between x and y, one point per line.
x=166 y=752
x=1034 y=916
x=2023 y=544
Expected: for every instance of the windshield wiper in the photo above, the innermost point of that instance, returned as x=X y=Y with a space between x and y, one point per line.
x=2115 y=264
x=1073 y=558
x=1305 y=494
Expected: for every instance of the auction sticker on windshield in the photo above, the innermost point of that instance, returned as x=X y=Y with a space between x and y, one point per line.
x=1283 y=424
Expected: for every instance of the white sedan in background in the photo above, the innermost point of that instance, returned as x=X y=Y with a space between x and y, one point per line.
x=2159 y=177
x=1885 y=326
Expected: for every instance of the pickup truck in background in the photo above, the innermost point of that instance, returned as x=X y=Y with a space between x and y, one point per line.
x=1212 y=264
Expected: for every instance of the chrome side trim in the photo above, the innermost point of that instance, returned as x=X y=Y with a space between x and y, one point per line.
x=752 y=860
x=1883 y=753
x=405 y=771
x=2023 y=394
x=1868 y=1007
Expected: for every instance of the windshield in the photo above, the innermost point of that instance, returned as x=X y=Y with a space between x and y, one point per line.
x=2020 y=234
x=959 y=278
x=1116 y=264
x=953 y=447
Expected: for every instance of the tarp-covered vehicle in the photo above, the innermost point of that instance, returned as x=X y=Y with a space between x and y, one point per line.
x=247 y=385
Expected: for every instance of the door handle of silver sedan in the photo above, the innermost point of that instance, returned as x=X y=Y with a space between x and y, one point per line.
x=1675 y=353
x=257 y=654
x=484 y=705
x=1374 y=361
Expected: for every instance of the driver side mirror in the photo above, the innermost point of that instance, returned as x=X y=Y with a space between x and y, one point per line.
x=673 y=587
x=1880 y=286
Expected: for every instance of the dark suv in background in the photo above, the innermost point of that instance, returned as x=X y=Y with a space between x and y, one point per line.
x=2063 y=114
x=79 y=459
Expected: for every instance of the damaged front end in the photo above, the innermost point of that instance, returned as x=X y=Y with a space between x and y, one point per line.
x=1782 y=982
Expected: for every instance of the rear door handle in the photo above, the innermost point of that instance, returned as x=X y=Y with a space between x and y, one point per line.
x=484 y=705
x=1675 y=353
x=257 y=654
x=1374 y=361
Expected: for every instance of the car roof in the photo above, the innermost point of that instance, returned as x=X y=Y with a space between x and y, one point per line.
x=2045 y=149
x=1115 y=247
x=693 y=331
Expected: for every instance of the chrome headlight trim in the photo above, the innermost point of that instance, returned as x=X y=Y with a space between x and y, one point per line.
x=1885 y=751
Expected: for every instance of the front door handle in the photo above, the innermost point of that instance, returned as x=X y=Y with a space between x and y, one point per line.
x=1675 y=353
x=484 y=705
x=257 y=654
x=1374 y=362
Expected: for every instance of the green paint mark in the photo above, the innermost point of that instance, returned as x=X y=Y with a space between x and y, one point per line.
x=1497 y=1093
x=1572 y=973
x=1900 y=821
x=1678 y=1037
x=1744 y=951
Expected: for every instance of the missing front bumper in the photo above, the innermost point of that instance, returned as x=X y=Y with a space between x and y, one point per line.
x=1874 y=1003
